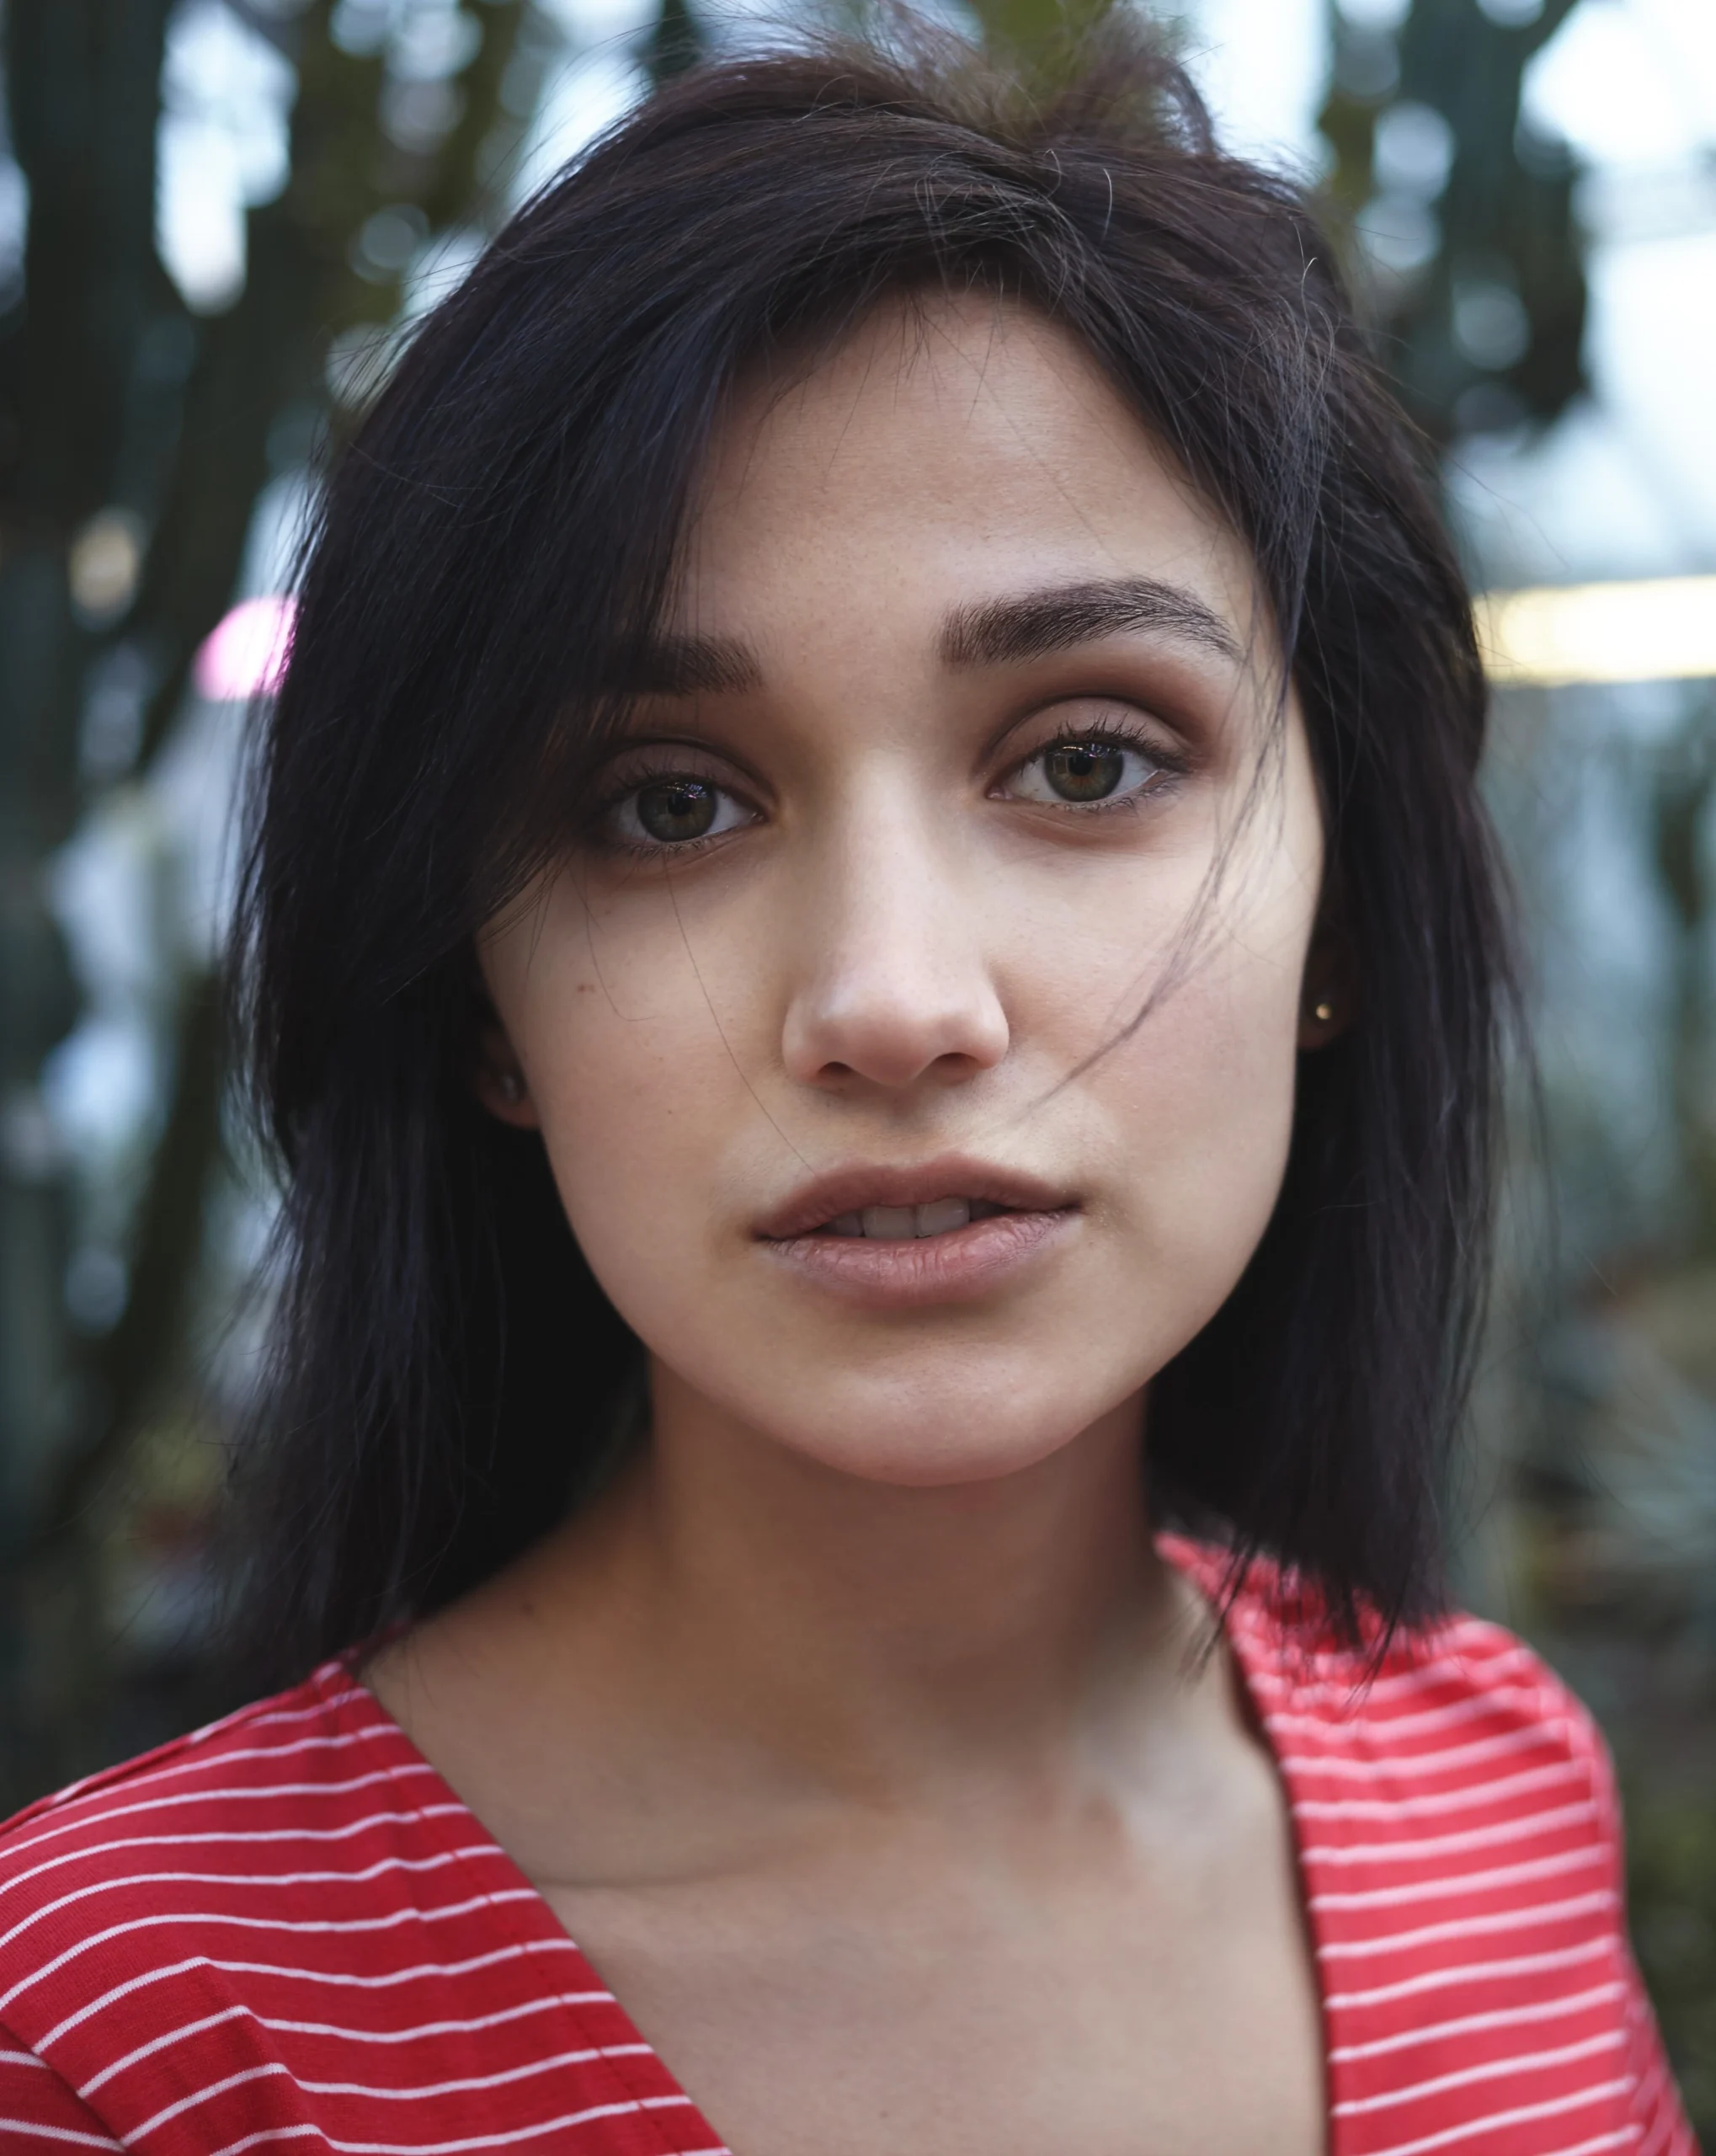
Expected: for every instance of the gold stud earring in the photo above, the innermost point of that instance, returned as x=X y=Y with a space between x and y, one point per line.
x=1323 y=1012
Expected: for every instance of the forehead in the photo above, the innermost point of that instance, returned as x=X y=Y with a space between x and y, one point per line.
x=947 y=449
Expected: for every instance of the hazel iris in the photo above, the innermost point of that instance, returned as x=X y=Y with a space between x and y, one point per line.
x=677 y=807
x=1084 y=771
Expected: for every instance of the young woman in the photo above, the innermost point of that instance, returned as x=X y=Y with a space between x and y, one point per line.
x=875 y=966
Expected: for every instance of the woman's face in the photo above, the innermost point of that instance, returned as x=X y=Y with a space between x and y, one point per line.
x=957 y=758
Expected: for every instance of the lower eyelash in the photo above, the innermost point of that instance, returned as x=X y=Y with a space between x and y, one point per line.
x=598 y=831
x=657 y=849
x=1168 y=766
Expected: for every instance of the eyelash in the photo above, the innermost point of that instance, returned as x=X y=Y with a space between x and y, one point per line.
x=1170 y=765
x=599 y=829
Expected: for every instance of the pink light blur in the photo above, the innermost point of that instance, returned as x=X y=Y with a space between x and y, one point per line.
x=245 y=654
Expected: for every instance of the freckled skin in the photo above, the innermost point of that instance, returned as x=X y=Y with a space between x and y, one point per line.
x=853 y=1731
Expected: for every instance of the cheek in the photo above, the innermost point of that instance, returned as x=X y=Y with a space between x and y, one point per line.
x=1204 y=1093
x=610 y=1011
x=1194 y=1104
x=636 y=1092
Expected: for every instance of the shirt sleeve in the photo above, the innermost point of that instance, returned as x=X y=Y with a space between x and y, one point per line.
x=38 y=2114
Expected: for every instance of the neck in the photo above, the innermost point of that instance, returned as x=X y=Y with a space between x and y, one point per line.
x=868 y=1634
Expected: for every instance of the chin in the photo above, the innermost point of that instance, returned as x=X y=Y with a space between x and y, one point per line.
x=934 y=1444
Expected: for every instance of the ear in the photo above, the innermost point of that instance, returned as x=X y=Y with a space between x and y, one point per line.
x=1329 y=994
x=498 y=1079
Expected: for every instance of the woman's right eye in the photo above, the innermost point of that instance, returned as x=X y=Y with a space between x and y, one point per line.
x=675 y=810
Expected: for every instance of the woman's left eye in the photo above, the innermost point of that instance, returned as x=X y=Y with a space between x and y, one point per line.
x=1085 y=773
x=675 y=809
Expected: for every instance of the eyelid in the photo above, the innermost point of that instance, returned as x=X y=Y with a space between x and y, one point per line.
x=1164 y=714
x=656 y=758
x=635 y=765
x=1121 y=722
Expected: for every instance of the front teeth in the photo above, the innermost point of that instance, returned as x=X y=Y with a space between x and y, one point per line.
x=900 y=1223
x=939 y=1217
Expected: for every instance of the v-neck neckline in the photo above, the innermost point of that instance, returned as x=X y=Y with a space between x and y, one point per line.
x=652 y=2088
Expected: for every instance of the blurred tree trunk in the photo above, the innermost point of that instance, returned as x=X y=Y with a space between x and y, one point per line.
x=114 y=400
x=81 y=78
x=673 y=44
x=1484 y=327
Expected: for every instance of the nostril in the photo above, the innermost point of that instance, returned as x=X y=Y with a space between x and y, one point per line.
x=872 y=1024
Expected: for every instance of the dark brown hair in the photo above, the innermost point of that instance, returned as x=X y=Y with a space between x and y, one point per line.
x=496 y=541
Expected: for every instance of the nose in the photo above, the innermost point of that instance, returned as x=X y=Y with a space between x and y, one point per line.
x=896 y=985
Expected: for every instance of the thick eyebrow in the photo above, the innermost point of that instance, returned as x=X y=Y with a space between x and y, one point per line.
x=998 y=632
x=675 y=666
x=1007 y=632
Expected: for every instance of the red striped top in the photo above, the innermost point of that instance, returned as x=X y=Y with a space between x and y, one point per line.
x=286 y=1928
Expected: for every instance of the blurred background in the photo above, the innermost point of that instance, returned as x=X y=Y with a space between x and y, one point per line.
x=218 y=218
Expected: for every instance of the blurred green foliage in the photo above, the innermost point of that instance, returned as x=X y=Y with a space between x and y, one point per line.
x=1037 y=28
x=1671 y=1888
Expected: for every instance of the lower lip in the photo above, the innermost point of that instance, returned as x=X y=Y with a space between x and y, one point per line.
x=962 y=1266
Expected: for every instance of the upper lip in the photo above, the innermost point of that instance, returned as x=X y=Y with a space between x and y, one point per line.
x=953 y=1175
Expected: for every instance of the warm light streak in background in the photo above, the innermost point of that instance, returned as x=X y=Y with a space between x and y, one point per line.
x=1655 y=629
